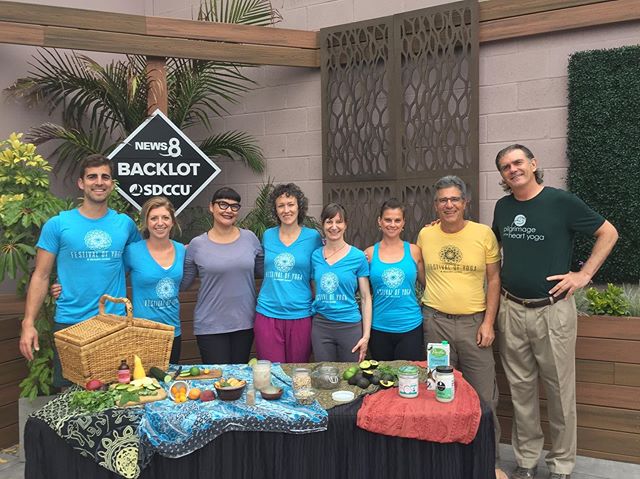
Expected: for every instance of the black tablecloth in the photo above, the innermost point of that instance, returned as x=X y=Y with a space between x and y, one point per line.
x=343 y=451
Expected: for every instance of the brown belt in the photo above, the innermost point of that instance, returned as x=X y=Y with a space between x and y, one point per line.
x=532 y=303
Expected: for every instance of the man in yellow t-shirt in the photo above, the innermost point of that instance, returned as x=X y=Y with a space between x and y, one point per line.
x=458 y=255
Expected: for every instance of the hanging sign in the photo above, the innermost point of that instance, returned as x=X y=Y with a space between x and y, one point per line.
x=158 y=159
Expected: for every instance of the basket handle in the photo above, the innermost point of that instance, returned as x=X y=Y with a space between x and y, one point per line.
x=125 y=301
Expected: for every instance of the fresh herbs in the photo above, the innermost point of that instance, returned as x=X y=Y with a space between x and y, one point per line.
x=92 y=401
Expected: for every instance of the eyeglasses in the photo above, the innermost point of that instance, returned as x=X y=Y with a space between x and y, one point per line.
x=223 y=205
x=454 y=200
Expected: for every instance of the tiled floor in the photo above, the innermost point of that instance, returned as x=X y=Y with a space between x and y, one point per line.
x=586 y=467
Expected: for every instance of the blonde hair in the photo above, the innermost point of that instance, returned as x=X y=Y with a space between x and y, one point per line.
x=152 y=204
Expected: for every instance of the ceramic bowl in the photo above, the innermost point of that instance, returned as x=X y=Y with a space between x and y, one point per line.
x=179 y=385
x=271 y=396
x=230 y=394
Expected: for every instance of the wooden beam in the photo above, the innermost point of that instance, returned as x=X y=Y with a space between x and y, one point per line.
x=157 y=96
x=602 y=13
x=60 y=37
x=45 y=15
x=497 y=9
x=226 y=32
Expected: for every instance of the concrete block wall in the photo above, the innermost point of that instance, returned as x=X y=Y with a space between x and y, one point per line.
x=523 y=97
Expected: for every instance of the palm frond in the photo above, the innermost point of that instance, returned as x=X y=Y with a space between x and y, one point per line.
x=260 y=218
x=86 y=90
x=75 y=144
x=236 y=145
x=197 y=89
x=245 y=12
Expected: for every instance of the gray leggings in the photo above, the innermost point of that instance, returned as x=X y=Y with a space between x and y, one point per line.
x=334 y=340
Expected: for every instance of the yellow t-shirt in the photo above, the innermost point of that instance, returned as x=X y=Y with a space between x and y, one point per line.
x=455 y=266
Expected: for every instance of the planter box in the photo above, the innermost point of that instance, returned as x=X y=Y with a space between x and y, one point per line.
x=607 y=389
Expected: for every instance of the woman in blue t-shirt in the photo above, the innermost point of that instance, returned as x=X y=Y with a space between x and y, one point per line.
x=395 y=265
x=283 y=314
x=156 y=267
x=340 y=330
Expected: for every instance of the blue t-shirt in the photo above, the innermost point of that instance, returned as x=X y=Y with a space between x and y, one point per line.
x=88 y=261
x=286 y=292
x=155 y=289
x=336 y=285
x=395 y=306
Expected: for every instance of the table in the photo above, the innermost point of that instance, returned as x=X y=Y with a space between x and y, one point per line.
x=343 y=451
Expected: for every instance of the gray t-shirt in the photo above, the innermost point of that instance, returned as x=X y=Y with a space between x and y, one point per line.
x=227 y=295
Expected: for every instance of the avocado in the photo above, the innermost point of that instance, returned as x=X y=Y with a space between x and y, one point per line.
x=374 y=364
x=363 y=383
x=365 y=364
x=386 y=384
x=387 y=377
x=367 y=373
x=358 y=375
x=353 y=381
x=375 y=380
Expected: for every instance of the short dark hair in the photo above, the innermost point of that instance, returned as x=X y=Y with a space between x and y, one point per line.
x=539 y=173
x=291 y=190
x=94 y=160
x=332 y=209
x=392 y=204
x=225 y=193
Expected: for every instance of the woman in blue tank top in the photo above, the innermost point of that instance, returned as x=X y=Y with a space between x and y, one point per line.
x=395 y=265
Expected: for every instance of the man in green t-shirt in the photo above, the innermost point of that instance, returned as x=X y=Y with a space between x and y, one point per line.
x=537 y=321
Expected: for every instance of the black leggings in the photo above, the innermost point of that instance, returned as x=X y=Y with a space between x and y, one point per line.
x=176 y=348
x=225 y=348
x=390 y=346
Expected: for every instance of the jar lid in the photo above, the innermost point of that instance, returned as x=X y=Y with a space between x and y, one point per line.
x=444 y=369
x=408 y=370
x=343 y=396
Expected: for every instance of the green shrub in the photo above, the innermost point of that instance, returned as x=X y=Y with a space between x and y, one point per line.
x=604 y=151
x=610 y=302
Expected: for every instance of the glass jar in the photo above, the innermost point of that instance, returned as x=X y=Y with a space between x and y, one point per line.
x=408 y=381
x=261 y=374
x=325 y=377
x=301 y=379
x=445 y=384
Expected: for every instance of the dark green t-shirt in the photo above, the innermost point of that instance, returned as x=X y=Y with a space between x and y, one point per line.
x=537 y=238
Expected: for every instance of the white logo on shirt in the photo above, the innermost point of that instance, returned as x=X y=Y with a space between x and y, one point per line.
x=284 y=262
x=166 y=288
x=392 y=277
x=97 y=240
x=329 y=282
x=519 y=220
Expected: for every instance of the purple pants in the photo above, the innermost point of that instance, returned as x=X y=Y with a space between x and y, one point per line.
x=283 y=340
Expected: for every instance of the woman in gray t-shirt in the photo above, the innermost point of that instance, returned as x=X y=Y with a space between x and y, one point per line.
x=226 y=259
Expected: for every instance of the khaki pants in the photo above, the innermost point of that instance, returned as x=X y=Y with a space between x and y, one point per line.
x=476 y=364
x=541 y=342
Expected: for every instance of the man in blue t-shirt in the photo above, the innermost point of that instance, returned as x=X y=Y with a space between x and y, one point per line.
x=86 y=246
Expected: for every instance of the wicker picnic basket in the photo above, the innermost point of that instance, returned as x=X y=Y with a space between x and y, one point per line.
x=94 y=348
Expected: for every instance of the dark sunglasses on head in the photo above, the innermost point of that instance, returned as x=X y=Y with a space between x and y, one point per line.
x=223 y=205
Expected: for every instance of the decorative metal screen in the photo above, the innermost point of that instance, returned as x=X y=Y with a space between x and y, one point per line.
x=399 y=110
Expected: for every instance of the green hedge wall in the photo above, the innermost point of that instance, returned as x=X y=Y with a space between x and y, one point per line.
x=604 y=150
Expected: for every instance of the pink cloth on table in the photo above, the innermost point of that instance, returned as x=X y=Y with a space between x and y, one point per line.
x=423 y=417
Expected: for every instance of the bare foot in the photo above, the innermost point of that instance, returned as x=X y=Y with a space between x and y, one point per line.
x=500 y=474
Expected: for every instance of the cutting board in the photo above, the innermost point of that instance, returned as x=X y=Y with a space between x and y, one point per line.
x=213 y=374
x=159 y=396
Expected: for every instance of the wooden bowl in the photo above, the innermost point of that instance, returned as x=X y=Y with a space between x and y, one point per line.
x=230 y=394
x=272 y=396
